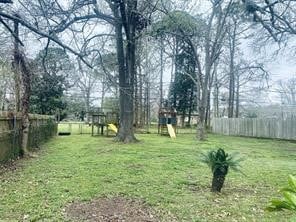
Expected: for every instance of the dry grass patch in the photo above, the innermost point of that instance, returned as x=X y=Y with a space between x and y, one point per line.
x=116 y=209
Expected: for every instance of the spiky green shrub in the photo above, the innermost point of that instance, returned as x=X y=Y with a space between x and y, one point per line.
x=289 y=197
x=219 y=161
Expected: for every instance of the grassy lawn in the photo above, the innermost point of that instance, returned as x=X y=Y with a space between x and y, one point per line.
x=165 y=173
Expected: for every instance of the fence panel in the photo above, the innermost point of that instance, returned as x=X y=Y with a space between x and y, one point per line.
x=75 y=128
x=253 y=127
x=41 y=129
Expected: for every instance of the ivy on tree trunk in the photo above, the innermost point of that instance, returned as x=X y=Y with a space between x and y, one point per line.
x=23 y=70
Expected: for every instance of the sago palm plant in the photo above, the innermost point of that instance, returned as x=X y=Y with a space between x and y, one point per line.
x=219 y=161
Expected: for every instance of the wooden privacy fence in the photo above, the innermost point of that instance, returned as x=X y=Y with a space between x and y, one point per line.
x=275 y=128
x=41 y=129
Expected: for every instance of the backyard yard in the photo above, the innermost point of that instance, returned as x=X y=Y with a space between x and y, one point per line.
x=165 y=176
x=105 y=107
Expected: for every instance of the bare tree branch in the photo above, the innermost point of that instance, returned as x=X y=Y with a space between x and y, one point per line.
x=6 y=1
x=11 y=31
x=51 y=37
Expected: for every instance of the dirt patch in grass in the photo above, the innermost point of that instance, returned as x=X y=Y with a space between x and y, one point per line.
x=135 y=166
x=104 y=151
x=11 y=165
x=117 y=209
x=17 y=163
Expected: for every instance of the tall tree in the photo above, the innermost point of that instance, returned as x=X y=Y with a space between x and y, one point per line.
x=183 y=27
x=236 y=29
x=16 y=67
x=287 y=90
x=126 y=17
x=22 y=69
x=183 y=89
x=49 y=82
x=47 y=94
x=207 y=49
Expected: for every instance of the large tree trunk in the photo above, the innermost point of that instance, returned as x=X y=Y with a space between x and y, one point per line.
x=126 y=63
x=205 y=84
x=16 y=70
x=213 y=44
x=26 y=89
x=204 y=103
x=21 y=67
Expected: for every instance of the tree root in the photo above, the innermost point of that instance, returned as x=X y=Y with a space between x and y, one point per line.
x=126 y=139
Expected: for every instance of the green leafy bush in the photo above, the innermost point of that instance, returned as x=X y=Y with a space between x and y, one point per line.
x=219 y=161
x=289 y=197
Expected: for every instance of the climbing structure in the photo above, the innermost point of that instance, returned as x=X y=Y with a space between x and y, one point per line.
x=167 y=122
x=100 y=120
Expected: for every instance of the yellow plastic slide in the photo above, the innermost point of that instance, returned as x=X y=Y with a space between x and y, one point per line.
x=113 y=127
x=171 y=131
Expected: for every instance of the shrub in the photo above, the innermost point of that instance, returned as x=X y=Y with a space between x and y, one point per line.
x=289 y=197
x=219 y=161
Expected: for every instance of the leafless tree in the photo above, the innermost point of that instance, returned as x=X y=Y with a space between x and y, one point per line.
x=287 y=91
x=215 y=32
x=50 y=18
x=276 y=17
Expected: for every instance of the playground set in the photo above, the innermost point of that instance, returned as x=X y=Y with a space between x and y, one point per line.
x=107 y=123
x=101 y=121
x=167 y=122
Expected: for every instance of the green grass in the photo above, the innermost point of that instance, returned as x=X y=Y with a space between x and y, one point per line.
x=165 y=173
x=75 y=127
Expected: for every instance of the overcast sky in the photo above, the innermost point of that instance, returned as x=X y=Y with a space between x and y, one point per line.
x=282 y=66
